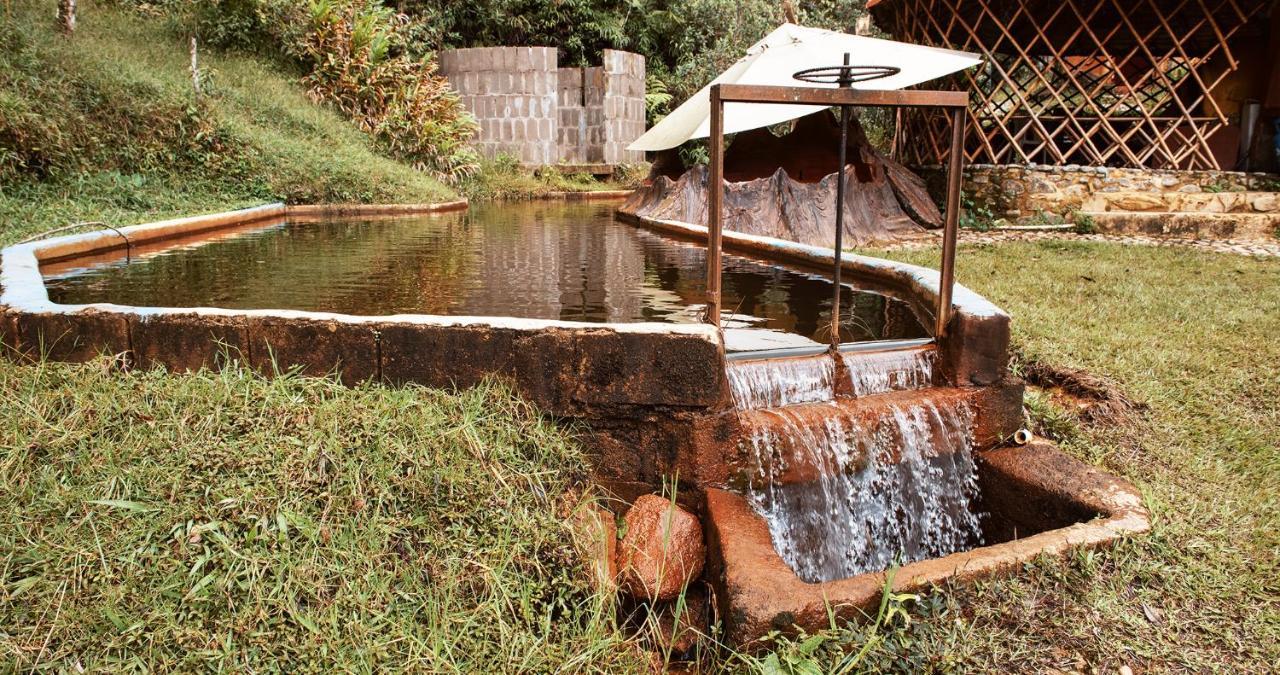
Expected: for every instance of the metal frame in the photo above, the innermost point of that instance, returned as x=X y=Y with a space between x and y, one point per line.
x=954 y=102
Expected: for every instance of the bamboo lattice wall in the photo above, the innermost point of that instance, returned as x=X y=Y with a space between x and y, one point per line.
x=1133 y=83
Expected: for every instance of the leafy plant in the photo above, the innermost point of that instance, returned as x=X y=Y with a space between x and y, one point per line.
x=657 y=100
x=975 y=215
x=1084 y=223
x=356 y=64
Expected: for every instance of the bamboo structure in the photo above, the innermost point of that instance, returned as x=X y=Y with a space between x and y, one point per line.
x=1124 y=83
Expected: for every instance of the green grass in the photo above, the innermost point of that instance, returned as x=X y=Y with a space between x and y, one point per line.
x=503 y=178
x=223 y=521
x=104 y=126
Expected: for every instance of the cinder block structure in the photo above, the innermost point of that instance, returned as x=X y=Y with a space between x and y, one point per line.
x=529 y=107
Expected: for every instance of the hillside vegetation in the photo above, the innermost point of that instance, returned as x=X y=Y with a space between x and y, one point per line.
x=104 y=125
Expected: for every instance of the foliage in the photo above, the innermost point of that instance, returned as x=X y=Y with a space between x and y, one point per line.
x=975 y=215
x=358 y=56
x=657 y=100
x=503 y=178
x=1084 y=223
x=581 y=29
x=352 y=51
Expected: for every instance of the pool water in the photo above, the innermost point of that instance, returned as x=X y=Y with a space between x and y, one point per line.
x=538 y=260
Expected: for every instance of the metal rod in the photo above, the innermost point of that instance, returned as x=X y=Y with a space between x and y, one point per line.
x=844 y=142
x=955 y=166
x=911 y=98
x=715 y=213
x=816 y=350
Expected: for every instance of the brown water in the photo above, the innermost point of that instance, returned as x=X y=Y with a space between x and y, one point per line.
x=535 y=260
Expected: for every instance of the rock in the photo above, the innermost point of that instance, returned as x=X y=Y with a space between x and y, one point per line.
x=1268 y=203
x=597 y=539
x=680 y=634
x=1138 y=201
x=1190 y=187
x=662 y=550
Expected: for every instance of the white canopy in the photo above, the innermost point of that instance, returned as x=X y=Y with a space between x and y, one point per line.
x=773 y=61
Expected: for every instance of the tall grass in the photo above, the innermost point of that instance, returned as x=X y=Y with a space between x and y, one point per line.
x=224 y=521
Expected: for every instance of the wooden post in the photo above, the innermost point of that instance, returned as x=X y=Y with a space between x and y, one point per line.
x=67 y=16
x=715 y=212
x=955 y=167
x=195 y=67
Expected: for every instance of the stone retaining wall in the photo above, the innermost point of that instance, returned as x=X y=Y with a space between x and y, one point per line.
x=1027 y=191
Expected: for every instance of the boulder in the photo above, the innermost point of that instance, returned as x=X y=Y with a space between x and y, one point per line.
x=662 y=550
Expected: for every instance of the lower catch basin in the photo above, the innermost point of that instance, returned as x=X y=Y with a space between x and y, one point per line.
x=837 y=494
x=895 y=488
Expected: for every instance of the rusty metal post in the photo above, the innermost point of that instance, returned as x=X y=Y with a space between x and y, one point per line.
x=715 y=212
x=955 y=167
x=844 y=142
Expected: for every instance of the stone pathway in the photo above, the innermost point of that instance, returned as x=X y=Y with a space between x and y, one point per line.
x=1234 y=246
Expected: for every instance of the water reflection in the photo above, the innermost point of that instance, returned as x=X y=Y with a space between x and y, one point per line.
x=535 y=260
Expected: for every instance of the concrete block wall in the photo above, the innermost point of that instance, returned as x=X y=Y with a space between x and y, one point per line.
x=511 y=91
x=623 y=105
x=529 y=108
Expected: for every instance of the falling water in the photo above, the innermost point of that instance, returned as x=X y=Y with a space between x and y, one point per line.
x=772 y=383
x=879 y=372
x=900 y=491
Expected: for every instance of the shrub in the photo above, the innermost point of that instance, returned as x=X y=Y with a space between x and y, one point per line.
x=354 y=53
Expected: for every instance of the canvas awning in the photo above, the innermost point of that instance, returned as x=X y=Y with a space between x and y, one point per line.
x=773 y=61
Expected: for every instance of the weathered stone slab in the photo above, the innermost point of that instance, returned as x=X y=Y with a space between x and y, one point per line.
x=316 y=347
x=187 y=342
x=975 y=350
x=72 y=336
x=655 y=369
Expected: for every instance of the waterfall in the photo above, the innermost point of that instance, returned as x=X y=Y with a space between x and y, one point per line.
x=898 y=490
x=879 y=372
x=772 y=383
